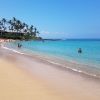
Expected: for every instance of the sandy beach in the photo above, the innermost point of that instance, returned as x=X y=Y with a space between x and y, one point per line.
x=29 y=78
x=49 y=49
x=16 y=84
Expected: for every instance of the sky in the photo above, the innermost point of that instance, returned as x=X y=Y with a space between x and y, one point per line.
x=56 y=18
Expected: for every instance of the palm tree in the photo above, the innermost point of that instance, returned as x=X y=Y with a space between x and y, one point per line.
x=27 y=28
x=35 y=32
x=10 y=25
x=13 y=23
x=0 y=28
x=1 y=25
x=17 y=24
x=38 y=33
x=11 y=28
x=10 y=22
x=3 y=22
x=23 y=27
x=31 y=30
x=14 y=19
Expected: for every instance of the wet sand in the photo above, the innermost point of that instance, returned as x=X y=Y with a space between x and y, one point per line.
x=27 y=78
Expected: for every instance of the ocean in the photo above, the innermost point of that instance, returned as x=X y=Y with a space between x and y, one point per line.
x=67 y=51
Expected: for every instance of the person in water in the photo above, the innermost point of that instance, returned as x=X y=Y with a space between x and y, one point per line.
x=19 y=45
x=79 y=50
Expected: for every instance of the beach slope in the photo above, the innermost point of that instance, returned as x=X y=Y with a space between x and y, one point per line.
x=30 y=78
x=16 y=84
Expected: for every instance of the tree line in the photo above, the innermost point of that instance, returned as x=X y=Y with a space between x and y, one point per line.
x=16 y=29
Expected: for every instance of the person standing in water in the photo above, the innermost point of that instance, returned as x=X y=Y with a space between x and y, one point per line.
x=79 y=50
x=19 y=45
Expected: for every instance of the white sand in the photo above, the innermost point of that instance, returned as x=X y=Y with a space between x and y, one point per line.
x=24 y=78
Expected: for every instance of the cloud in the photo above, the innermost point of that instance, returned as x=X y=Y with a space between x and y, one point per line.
x=47 y=32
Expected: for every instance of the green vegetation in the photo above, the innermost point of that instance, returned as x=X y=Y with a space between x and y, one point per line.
x=15 y=29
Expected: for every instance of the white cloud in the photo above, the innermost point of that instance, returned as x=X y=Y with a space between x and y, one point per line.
x=47 y=32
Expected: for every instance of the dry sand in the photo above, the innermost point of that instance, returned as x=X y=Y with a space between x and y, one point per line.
x=16 y=84
x=25 y=78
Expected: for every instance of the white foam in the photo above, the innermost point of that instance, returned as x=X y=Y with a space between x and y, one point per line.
x=73 y=69
x=55 y=63
x=12 y=50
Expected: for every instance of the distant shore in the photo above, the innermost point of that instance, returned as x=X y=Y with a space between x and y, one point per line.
x=54 y=83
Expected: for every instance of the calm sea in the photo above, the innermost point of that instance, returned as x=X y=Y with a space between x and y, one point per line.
x=66 y=49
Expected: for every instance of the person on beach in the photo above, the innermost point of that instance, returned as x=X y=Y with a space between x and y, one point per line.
x=79 y=50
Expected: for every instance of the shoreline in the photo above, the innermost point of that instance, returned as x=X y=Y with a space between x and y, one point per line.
x=67 y=65
x=62 y=84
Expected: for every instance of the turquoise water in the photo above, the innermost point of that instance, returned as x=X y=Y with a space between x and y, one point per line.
x=66 y=49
